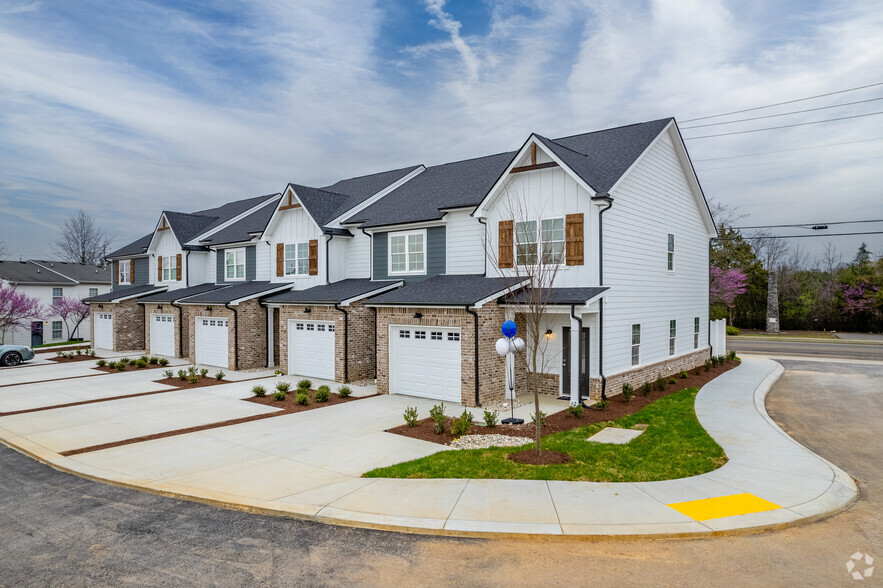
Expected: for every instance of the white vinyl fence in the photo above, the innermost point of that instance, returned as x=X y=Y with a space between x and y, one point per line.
x=718 y=336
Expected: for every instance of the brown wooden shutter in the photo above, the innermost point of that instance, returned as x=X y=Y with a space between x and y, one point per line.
x=116 y=270
x=280 y=259
x=314 y=257
x=505 y=249
x=573 y=235
x=178 y=267
x=159 y=268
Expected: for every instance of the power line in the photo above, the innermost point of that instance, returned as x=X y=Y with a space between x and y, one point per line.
x=788 y=150
x=808 y=224
x=731 y=122
x=781 y=103
x=797 y=236
x=814 y=122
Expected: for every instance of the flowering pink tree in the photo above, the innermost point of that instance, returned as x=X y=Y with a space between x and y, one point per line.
x=726 y=285
x=17 y=309
x=858 y=298
x=71 y=311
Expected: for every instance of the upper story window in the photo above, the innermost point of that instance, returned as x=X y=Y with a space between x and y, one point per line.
x=407 y=252
x=671 y=252
x=125 y=271
x=93 y=292
x=234 y=264
x=542 y=239
x=169 y=269
x=297 y=259
x=57 y=294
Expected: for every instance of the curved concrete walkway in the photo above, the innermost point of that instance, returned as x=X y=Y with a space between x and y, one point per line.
x=769 y=481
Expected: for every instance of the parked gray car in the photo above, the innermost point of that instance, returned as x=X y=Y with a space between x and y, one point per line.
x=11 y=355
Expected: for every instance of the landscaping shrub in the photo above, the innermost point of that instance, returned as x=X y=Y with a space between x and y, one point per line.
x=79 y=351
x=660 y=384
x=305 y=384
x=153 y=360
x=140 y=363
x=163 y=361
x=490 y=418
x=575 y=410
x=259 y=391
x=168 y=374
x=732 y=331
x=130 y=361
x=344 y=391
x=322 y=393
x=101 y=363
x=91 y=353
x=283 y=386
x=672 y=381
x=602 y=404
x=713 y=361
x=193 y=378
x=411 y=416
x=731 y=355
x=302 y=398
x=721 y=359
x=145 y=358
x=683 y=375
x=203 y=372
x=696 y=372
x=191 y=371
x=182 y=375
x=707 y=364
x=646 y=388
x=461 y=426
x=437 y=413
x=627 y=392
x=279 y=395
x=539 y=416
x=121 y=365
x=219 y=375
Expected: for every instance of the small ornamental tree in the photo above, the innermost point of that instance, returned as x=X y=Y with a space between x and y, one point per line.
x=858 y=298
x=725 y=285
x=72 y=312
x=17 y=309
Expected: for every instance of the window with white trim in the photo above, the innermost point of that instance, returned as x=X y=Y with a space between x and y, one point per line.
x=671 y=252
x=636 y=344
x=407 y=252
x=57 y=295
x=234 y=262
x=542 y=239
x=56 y=330
x=169 y=268
x=93 y=292
x=297 y=259
x=672 y=336
x=696 y=333
x=125 y=266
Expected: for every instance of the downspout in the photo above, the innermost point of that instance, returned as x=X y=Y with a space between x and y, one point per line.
x=371 y=269
x=180 y=328
x=708 y=322
x=327 y=259
x=187 y=268
x=606 y=197
x=475 y=316
x=346 y=344
x=579 y=351
x=374 y=308
x=485 y=245
x=235 y=336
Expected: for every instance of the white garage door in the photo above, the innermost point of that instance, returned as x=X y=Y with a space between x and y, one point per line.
x=103 y=330
x=311 y=349
x=425 y=362
x=162 y=334
x=211 y=341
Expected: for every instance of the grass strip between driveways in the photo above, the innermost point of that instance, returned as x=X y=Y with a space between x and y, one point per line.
x=674 y=446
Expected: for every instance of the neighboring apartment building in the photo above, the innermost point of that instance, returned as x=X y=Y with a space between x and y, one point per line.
x=48 y=281
x=405 y=276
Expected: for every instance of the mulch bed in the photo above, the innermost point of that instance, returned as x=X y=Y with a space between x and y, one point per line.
x=289 y=405
x=202 y=382
x=39 y=350
x=562 y=421
x=129 y=368
x=547 y=457
x=73 y=359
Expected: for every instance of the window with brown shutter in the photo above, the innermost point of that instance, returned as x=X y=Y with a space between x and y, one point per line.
x=280 y=260
x=314 y=257
x=159 y=268
x=574 y=239
x=178 y=267
x=505 y=246
x=116 y=270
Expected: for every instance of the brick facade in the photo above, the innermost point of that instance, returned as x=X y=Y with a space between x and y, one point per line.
x=128 y=324
x=649 y=373
x=252 y=330
x=491 y=365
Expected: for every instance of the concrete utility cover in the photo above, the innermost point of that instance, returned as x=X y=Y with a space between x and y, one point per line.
x=614 y=435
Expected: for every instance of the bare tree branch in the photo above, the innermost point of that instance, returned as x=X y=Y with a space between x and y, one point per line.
x=82 y=241
x=3 y=250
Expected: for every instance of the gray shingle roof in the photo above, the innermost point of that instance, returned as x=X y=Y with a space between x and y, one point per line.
x=85 y=273
x=136 y=247
x=321 y=204
x=245 y=290
x=175 y=295
x=25 y=272
x=559 y=295
x=243 y=229
x=125 y=293
x=451 y=185
x=331 y=293
x=363 y=187
x=446 y=290
x=186 y=226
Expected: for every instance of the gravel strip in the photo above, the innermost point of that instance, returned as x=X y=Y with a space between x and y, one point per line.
x=503 y=405
x=485 y=441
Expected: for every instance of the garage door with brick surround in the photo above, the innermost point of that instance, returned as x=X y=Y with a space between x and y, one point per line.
x=103 y=330
x=311 y=348
x=162 y=334
x=425 y=362
x=211 y=341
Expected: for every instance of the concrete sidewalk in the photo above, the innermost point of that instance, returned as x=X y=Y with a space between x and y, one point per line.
x=307 y=465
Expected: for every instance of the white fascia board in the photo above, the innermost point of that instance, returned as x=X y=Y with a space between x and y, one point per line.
x=281 y=288
x=502 y=292
x=231 y=245
x=274 y=220
x=481 y=211
x=196 y=240
x=156 y=232
x=156 y=290
x=337 y=222
x=375 y=292
x=409 y=226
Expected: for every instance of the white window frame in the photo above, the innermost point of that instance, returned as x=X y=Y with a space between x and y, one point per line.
x=696 y=333
x=169 y=268
x=294 y=256
x=539 y=242
x=60 y=326
x=93 y=292
x=125 y=267
x=235 y=253
x=59 y=296
x=670 y=256
x=635 y=347
x=407 y=235
x=672 y=336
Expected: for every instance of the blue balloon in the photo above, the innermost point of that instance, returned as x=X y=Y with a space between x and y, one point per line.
x=509 y=329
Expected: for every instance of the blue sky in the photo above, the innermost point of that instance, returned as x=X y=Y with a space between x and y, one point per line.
x=128 y=108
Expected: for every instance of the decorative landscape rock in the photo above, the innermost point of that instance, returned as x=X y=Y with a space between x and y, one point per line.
x=485 y=441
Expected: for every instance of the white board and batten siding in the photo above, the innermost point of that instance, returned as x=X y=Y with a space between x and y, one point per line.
x=262 y=256
x=652 y=201
x=165 y=245
x=464 y=243
x=295 y=226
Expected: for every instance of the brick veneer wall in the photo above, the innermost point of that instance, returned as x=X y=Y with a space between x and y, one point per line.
x=252 y=332
x=649 y=373
x=491 y=365
x=361 y=337
x=128 y=324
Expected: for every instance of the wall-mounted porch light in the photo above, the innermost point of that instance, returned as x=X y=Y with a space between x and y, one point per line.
x=418 y=315
x=548 y=332
x=308 y=309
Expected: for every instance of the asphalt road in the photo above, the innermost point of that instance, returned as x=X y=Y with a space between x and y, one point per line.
x=820 y=349
x=60 y=530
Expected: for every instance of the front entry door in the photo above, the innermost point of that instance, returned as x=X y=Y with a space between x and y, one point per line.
x=583 y=363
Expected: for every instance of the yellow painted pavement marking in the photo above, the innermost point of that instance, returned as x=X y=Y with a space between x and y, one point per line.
x=723 y=506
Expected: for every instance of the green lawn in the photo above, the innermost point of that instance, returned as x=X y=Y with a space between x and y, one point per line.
x=673 y=446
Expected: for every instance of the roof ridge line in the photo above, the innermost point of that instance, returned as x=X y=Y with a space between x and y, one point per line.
x=667 y=118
